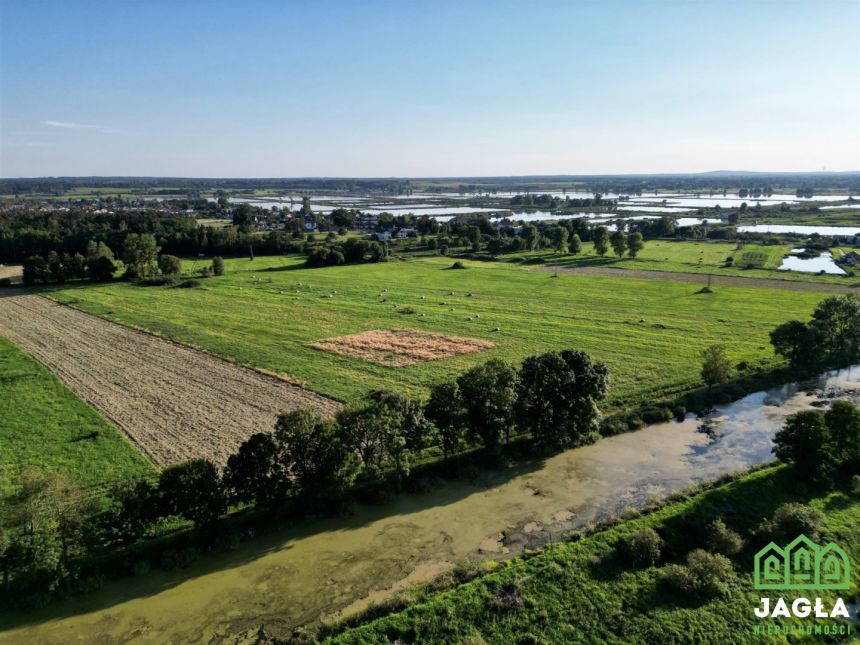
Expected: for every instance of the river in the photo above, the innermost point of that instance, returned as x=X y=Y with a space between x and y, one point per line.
x=297 y=577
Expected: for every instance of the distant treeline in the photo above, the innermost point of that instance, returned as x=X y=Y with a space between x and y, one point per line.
x=548 y=201
x=25 y=234
x=622 y=184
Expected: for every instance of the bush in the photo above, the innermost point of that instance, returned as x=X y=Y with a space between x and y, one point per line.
x=721 y=539
x=791 y=520
x=678 y=578
x=158 y=280
x=612 y=426
x=218 y=265
x=407 y=310
x=505 y=599
x=656 y=415
x=705 y=574
x=635 y=422
x=642 y=548
x=101 y=268
x=193 y=490
x=169 y=265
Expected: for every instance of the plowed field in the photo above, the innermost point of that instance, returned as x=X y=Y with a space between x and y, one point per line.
x=174 y=402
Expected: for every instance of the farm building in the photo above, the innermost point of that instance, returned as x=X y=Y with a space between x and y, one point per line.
x=851 y=259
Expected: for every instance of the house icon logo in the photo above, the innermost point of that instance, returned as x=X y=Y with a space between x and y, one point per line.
x=802 y=564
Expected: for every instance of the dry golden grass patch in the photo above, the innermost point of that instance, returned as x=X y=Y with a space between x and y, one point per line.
x=400 y=347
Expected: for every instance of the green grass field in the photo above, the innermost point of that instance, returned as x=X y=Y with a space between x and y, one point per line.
x=702 y=257
x=265 y=312
x=567 y=597
x=44 y=425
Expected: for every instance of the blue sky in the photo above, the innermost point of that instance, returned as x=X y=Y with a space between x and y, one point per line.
x=362 y=88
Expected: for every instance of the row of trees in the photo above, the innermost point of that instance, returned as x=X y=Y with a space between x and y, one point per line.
x=821 y=445
x=48 y=527
x=548 y=201
x=140 y=255
x=831 y=338
x=25 y=233
x=98 y=264
x=351 y=251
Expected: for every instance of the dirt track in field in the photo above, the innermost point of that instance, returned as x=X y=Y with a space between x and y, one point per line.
x=702 y=279
x=174 y=402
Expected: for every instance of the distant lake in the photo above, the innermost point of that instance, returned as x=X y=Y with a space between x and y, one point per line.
x=708 y=202
x=823 y=262
x=695 y=221
x=436 y=210
x=655 y=209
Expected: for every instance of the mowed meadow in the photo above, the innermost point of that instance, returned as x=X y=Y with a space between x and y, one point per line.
x=46 y=426
x=265 y=313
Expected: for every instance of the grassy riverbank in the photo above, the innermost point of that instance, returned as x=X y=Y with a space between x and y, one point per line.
x=577 y=592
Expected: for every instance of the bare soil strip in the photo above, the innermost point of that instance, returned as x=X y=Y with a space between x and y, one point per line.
x=11 y=272
x=175 y=403
x=702 y=279
x=400 y=347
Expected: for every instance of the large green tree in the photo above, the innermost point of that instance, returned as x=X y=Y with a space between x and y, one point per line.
x=843 y=422
x=314 y=454
x=804 y=441
x=619 y=242
x=192 y=490
x=716 y=368
x=600 y=240
x=445 y=408
x=140 y=255
x=489 y=392
x=634 y=244
x=255 y=474
x=836 y=321
x=557 y=397
x=795 y=341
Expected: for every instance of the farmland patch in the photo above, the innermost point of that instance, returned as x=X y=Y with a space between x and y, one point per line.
x=174 y=402
x=401 y=347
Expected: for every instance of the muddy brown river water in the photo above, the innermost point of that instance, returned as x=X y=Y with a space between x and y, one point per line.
x=300 y=576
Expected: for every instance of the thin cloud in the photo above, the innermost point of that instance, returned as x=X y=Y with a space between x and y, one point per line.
x=66 y=124
x=84 y=126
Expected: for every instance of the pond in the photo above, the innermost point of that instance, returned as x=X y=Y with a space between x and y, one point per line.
x=823 y=263
x=656 y=209
x=696 y=221
x=435 y=210
x=291 y=578
x=546 y=216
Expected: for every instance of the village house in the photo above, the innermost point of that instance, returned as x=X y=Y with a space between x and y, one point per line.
x=851 y=259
